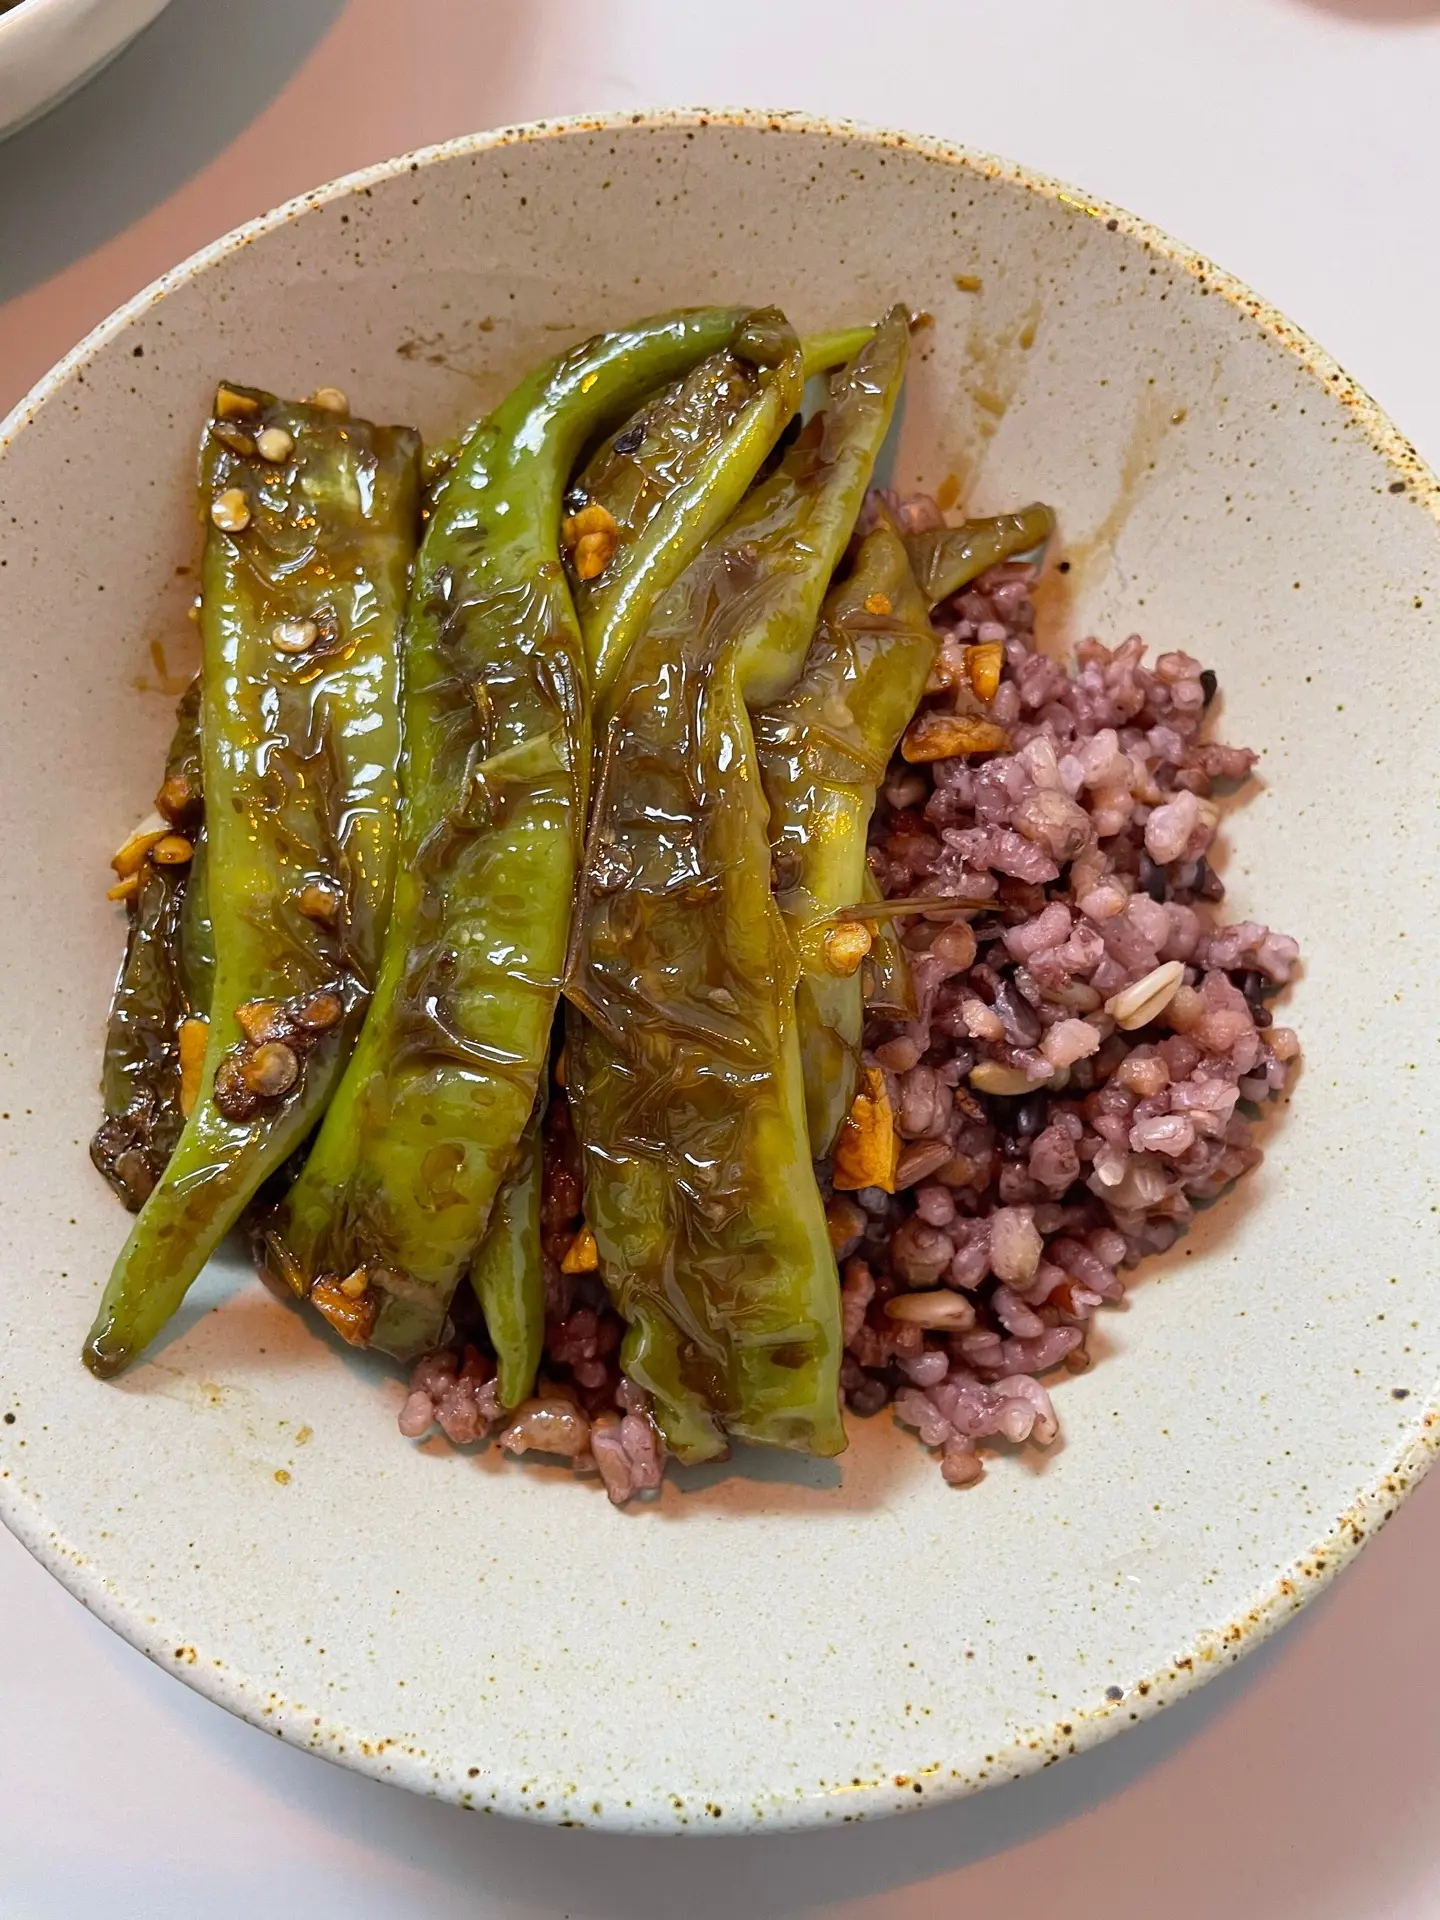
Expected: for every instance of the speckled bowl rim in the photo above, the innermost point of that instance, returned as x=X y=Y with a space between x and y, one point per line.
x=1216 y=1646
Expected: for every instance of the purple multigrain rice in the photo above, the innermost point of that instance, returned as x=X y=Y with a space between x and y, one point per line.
x=1090 y=838
x=1013 y=1214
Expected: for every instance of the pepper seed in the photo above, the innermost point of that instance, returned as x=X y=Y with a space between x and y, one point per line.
x=321 y=1011
x=846 y=946
x=271 y=1070
x=232 y=1097
x=318 y=903
x=231 y=511
x=294 y=636
x=332 y=399
x=274 y=444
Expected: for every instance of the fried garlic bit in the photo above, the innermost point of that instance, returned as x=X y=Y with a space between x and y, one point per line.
x=230 y=405
x=582 y=1255
x=591 y=536
x=131 y=856
x=941 y=736
x=152 y=840
x=985 y=664
x=350 y=1312
x=867 y=1152
x=191 y=1040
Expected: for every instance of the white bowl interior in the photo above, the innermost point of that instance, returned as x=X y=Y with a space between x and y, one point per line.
x=779 y=1641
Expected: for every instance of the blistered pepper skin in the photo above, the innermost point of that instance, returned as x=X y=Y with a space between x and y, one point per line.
x=401 y=1179
x=945 y=559
x=156 y=989
x=508 y=1273
x=823 y=752
x=300 y=749
x=674 y=474
x=685 y=1068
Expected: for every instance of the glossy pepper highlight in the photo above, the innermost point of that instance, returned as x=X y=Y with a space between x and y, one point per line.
x=945 y=559
x=399 y=1185
x=657 y=489
x=823 y=752
x=306 y=562
x=685 y=1067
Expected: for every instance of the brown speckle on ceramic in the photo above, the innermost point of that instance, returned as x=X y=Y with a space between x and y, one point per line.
x=777 y=1642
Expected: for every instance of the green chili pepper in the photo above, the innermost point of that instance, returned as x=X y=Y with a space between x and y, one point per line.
x=197 y=935
x=685 y=1070
x=672 y=475
x=401 y=1179
x=823 y=752
x=140 y=1081
x=802 y=516
x=313 y=521
x=508 y=1272
x=822 y=352
x=949 y=558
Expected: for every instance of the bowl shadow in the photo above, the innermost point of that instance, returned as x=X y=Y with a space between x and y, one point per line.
x=1386 y=13
x=161 y=111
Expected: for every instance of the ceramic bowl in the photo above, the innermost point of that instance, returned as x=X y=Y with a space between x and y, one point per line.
x=48 y=48
x=775 y=1642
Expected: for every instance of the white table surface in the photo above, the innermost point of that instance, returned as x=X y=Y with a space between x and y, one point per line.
x=1295 y=141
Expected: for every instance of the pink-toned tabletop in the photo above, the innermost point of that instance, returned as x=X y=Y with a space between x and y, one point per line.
x=1295 y=141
